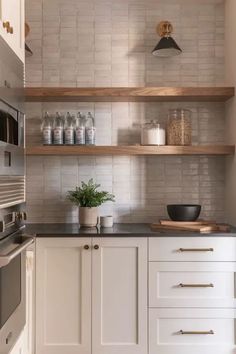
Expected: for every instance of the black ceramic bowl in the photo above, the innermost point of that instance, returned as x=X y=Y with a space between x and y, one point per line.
x=184 y=212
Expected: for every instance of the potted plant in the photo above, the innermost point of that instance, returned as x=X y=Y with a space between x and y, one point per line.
x=88 y=199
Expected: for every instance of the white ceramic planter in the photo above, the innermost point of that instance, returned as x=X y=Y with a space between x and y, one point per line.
x=88 y=217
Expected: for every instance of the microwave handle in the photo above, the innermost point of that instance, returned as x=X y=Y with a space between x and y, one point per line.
x=6 y=259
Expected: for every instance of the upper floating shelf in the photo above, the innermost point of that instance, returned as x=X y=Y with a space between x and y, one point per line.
x=129 y=94
x=131 y=150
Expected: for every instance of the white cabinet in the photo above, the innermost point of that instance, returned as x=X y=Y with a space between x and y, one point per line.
x=193 y=249
x=19 y=347
x=91 y=296
x=24 y=344
x=192 y=295
x=30 y=303
x=12 y=25
x=63 y=296
x=195 y=331
x=119 y=296
x=197 y=284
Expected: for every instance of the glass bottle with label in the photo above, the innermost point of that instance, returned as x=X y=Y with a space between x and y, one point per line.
x=46 y=129
x=80 y=129
x=69 y=132
x=58 y=129
x=90 y=130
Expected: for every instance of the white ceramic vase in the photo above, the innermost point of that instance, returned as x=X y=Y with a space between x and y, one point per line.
x=88 y=217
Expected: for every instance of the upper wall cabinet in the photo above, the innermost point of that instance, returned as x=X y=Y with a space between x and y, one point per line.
x=12 y=25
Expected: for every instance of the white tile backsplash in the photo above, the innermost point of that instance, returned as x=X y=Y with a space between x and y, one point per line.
x=109 y=43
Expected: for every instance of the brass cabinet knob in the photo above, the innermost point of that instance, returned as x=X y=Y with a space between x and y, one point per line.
x=96 y=247
x=6 y=25
x=86 y=247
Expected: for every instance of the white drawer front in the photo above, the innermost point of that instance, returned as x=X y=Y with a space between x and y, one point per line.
x=182 y=249
x=192 y=331
x=192 y=284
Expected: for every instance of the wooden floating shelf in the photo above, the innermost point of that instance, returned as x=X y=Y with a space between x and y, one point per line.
x=131 y=150
x=129 y=94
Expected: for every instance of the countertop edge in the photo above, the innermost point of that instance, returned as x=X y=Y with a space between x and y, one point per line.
x=119 y=230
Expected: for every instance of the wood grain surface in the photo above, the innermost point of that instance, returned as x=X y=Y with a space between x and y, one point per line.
x=131 y=150
x=128 y=94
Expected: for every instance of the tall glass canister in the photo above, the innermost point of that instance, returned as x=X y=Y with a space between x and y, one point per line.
x=179 y=128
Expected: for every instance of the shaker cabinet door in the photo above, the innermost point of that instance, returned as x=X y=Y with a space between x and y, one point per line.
x=195 y=331
x=119 y=296
x=63 y=296
x=192 y=284
x=12 y=25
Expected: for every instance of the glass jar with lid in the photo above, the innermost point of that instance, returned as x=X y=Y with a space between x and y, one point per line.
x=153 y=133
x=179 y=129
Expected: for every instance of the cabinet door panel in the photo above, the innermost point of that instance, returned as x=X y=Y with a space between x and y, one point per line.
x=19 y=347
x=12 y=11
x=192 y=249
x=30 y=296
x=192 y=284
x=119 y=296
x=63 y=296
x=195 y=331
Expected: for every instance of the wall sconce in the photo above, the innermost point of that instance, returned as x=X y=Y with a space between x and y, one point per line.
x=28 y=51
x=166 y=47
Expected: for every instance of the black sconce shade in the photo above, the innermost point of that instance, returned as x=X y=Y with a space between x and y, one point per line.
x=167 y=47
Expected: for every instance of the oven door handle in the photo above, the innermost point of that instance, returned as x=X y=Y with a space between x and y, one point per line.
x=7 y=258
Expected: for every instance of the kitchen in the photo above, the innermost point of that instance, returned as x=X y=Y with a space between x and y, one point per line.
x=92 y=261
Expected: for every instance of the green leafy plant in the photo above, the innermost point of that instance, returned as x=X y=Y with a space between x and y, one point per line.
x=88 y=196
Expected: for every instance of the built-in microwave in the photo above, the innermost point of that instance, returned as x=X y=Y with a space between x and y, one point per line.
x=12 y=157
x=11 y=125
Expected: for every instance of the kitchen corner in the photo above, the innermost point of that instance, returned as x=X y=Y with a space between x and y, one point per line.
x=117 y=177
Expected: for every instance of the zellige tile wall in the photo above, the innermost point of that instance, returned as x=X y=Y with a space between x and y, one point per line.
x=109 y=43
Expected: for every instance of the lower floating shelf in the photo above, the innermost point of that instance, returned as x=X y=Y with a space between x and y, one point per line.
x=131 y=150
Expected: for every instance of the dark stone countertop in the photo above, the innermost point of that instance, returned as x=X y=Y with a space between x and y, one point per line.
x=121 y=230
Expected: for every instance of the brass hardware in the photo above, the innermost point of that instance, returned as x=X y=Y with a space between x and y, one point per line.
x=196 y=285
x=164 y=29
x=6 y=25
x=27 y=29
x=86 y=247
x=196 y=332
x=96 y=247
x=10 y=30
x=196 y=249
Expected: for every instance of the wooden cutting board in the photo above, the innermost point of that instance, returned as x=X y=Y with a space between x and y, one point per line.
x=199 y=226
x=187 y=223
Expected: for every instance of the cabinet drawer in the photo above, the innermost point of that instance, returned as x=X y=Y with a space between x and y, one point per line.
x=190 y=249
x=195 y=331
x=192 y=284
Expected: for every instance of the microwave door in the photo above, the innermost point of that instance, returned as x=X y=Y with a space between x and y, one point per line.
x=4 y=129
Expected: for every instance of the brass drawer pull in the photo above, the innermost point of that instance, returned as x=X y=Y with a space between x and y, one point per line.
x=86 y=247
x=196 y=332
x=196 y=285
x=96 y=247
x=196 y=249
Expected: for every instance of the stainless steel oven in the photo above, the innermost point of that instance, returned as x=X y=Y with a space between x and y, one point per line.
x=12 y=288
x=13 y=242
